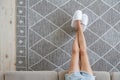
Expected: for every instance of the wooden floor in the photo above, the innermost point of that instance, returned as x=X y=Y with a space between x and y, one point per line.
x=7 y=35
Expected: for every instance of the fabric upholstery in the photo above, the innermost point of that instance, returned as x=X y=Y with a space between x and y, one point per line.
x=31 y=75
x=1 y=76
x=52 y=75
x=102 y=75
x=115 y=76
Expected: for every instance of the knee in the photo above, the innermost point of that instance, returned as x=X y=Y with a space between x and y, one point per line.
x=83 y=53
x=75 y=50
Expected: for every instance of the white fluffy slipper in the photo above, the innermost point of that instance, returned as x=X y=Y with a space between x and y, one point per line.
x=77 y=16
x=84 y=21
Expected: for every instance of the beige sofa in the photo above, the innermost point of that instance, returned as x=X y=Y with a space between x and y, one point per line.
x=52 y=75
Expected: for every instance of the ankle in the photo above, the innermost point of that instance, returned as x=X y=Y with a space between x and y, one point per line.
x=78 y=24
x=79 y=29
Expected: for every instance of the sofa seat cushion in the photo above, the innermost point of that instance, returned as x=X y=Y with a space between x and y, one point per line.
x=1 y=76
x=31 y=75
x=102 y=75
x=115 y=75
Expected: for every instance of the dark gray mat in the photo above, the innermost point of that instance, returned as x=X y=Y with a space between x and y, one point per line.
x=44 y=35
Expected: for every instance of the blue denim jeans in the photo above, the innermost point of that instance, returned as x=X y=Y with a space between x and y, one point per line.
x=81 y=75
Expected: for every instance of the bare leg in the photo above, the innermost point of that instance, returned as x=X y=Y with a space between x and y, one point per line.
x=85 y=65
x=74 y=64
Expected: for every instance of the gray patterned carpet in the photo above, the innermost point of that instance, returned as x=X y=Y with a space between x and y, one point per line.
x=44 y=35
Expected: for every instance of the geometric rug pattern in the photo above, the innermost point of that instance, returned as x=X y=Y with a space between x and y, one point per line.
x=45 y=37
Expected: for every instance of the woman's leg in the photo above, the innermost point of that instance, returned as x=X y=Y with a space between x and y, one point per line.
x=85 y=65
x=74 y=64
